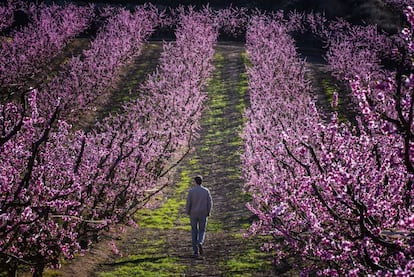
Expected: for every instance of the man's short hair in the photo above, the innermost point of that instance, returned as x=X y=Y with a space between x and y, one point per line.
x=198 y=179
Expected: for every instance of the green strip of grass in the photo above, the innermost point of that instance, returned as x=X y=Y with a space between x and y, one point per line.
x=252 y=260
x=169 y=215
x=246 y=263
x=165 y=217
x=147 y=265
x=328 y=89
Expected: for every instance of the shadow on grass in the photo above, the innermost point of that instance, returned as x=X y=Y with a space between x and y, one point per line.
x=139 y=260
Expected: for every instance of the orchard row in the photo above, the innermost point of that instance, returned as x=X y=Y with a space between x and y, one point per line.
x=337 y=190
x=340 y=194
x=59 y=188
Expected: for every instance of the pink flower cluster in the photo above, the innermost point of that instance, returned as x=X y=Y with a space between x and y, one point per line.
x=399 y=3
x=127 y=155
x=355 y=50
x=87 y=76
x=339 y=195
x=232 y=20
x=32 y=47
x=60 y=188
x=6 y=15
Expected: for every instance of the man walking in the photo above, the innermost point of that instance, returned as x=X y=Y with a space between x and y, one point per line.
x=198 y=207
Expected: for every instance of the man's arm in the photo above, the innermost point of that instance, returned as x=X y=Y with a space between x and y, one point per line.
x=188 y=203
x=209 y=203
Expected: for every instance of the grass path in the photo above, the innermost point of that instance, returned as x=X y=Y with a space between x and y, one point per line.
x=162 y=244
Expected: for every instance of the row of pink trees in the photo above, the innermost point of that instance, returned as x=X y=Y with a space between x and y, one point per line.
x=337 y=196
x=32 y=133
x=29 y=49
x=135 y=149
x=59 y=189
x=6 y=15
x=87 y=76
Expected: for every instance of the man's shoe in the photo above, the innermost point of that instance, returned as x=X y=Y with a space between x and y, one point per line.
x=195 y=255
x=200 y=249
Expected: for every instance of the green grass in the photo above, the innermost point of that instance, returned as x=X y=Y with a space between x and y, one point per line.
x=246 y=263
x=162 y=218
x=251 y=260
x=243 y=87
x=236 y=142
x=194 y=162
x=205 y=148
x=245 y=58
x=165 y=217
x=214 y=225
x=218 y=61
x=328 y=89
x=147 y=265
x=217 y=100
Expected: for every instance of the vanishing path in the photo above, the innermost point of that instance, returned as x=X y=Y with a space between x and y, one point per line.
x=162 y=244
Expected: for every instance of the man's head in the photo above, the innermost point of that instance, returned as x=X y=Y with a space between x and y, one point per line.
x=198 y=179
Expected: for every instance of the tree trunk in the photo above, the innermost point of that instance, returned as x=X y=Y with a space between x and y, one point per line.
x=38 y=271
x=12 y=271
